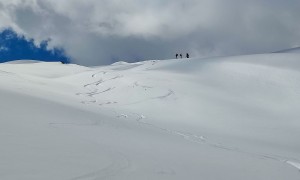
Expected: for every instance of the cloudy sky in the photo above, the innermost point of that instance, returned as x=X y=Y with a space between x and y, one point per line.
x=94 y=32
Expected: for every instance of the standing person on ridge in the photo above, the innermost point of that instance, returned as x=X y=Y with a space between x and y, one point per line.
x=180 y=55
x=187 y=55
x=176 y=55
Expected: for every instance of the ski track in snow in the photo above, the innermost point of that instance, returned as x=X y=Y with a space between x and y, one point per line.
x=97 y=83
x=94 y=83
x=141 y=120
x=137 y=84
x=294 y=164
x=5 y=73
x=170 y=93
x=204 y=140
x=55 y=125
x=96 y=91
x=119 y=163
x=101 y=72
x=107 y=103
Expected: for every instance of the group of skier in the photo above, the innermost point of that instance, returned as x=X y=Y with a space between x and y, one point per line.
x=187 y=55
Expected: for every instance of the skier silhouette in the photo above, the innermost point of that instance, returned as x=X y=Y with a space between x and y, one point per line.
x=187 y=55
x=180 y=55
x=176 y=56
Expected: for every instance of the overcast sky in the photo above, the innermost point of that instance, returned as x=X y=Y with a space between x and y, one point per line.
x=94 y=32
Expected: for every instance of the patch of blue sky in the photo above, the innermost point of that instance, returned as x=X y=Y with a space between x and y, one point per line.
x=16 y=47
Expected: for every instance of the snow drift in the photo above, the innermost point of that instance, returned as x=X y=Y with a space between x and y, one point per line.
x=215 y=118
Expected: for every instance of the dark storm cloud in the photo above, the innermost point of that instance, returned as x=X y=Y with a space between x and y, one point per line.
x=103 y=31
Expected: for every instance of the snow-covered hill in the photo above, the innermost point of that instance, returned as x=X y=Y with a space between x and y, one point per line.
x=216 y=118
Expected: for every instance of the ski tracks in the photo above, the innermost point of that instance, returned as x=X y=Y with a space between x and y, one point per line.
x=194 y=138
x=95 y=88
x=119 y=163
x=100 y=86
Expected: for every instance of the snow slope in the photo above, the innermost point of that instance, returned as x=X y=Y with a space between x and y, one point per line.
x=292 y=50
x=217 y=118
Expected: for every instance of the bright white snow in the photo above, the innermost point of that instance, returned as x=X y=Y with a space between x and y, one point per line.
x=216 y=118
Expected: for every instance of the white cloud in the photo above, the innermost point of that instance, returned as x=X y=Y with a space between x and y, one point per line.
x=102 y=31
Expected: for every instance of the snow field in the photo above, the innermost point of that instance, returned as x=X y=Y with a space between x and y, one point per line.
x=216 y=118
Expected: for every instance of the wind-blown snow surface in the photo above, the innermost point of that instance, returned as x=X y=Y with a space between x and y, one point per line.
x=219 y=118
x=292 y=50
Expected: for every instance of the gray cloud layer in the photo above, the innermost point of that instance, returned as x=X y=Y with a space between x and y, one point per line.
x=102 y=31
